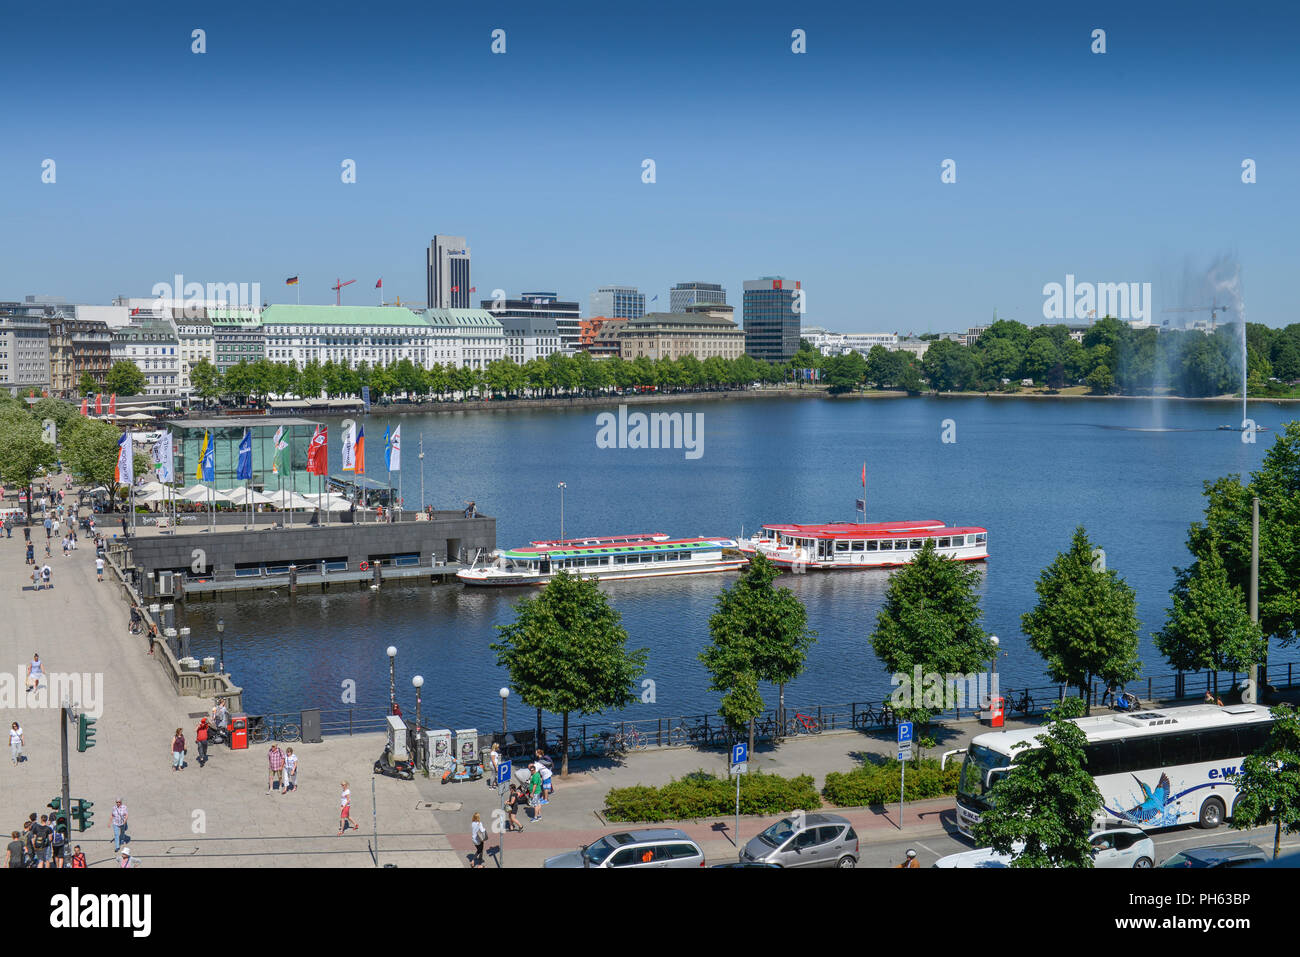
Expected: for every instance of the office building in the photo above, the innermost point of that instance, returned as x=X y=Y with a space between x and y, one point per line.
x=475 y=334
x=686 y=294
x=24 y=346
x=618 y=302
x=703 y=332
x=448 y=273
x=528 y=338
x=542 y=305
x=237 y=336
x=842 y=343
x=773 y=312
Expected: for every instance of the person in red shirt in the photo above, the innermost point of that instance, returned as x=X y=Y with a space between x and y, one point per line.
x=201 y=738
x=78 y=858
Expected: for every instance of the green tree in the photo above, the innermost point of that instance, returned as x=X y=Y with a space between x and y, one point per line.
x=63 y=413
x=909 y=379
x=24 y=451
x=566 y=651
x=87 y=384
x=759 y=633
x=1041 y=358
x=205 y=379
x=311 y=380
x=1207 y=626
x=931 y=619
x=1045 y=805
x=1268 y=785
x=1085 y=625
x=125 y=378
x=844 y=373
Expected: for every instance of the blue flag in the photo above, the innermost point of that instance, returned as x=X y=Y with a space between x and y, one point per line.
x=208 y=465
x=244 y=468
x=388 y=450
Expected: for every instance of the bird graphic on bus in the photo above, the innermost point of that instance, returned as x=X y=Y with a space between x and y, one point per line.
x=1153 y=803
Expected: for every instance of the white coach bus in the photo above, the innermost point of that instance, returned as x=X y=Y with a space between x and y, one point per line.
x=1154 y=768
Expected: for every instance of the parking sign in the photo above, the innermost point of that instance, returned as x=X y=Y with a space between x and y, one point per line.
x=904 y=740
x=503 y=773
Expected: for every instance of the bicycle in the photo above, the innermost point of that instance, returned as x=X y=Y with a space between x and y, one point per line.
x=1022 y=705
x=869 y=717
x=268 y=729
x=803 y=724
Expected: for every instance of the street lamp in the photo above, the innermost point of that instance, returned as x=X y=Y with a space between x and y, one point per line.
x=993 y=681
x=504 y=693
x=221 y=639
x=392 y=679
x=562 y=487
x=418 y=681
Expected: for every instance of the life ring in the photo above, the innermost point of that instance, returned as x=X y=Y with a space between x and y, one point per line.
x=364 y=566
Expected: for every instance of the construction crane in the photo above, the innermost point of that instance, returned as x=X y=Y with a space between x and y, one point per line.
x=1213 y=310
x=338 y=290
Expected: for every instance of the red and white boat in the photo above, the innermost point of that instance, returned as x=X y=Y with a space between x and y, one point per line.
x=615 y=557
x=840 y=545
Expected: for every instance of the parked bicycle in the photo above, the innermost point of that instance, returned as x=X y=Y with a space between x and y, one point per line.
x=273 y=729
x=870 y=717
x=1022 y=705
x=803 y=724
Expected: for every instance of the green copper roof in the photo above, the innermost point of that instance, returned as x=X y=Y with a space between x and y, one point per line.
x=280 y=315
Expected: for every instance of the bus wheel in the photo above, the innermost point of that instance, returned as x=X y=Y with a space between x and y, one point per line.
x=1211 y=813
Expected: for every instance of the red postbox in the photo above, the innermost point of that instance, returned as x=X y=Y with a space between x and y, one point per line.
x=997 y=712
x=239 y=732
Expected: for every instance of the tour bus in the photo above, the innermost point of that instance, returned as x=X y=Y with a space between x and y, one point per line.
x=1154 y=769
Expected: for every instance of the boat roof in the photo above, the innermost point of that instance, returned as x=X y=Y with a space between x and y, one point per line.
x=607 y=540
x=569 y=549
x=928 y=527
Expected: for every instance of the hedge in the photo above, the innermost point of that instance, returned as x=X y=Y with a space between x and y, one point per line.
x=703 y=795
x=878 y=783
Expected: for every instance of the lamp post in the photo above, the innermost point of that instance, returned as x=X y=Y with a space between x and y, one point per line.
x=418 y=681
x=504 y=693
x=392 y=679
x=562 y=487
x=221 y=640
x=993 y=680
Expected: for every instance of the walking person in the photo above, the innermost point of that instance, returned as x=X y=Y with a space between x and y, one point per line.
x=35 y=672
x=31 y=553
x=513 y=800
x=119 y=825
x=43 y=842
x=178 y=750
x=49 y=522
x=99 y=567
x=275 y=767
x=345 y=808
x=201 y=741
x=477 y=834
x=535 y=797
x=546 y=766
x=290 y=772
x=14 y=852
x=126 y=860
x=78 y=857
x=46 y=573
x=16 y=743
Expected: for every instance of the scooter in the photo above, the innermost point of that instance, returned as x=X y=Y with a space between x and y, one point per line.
x=1127 y=701
x=402 y=770
x=463 y=771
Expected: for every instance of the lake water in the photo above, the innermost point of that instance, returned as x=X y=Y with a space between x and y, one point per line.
x=1027 y=470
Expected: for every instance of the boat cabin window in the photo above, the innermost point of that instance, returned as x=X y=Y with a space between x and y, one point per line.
x=841 y=546
x=981 y=538
x=857 y=546
x=916 y=543
x=872 y=545
x=945 y=542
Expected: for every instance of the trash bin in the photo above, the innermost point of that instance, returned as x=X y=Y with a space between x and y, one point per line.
x=997 y=711
x=239 y=732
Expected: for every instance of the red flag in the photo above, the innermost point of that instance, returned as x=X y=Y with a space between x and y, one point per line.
x=380 y=284
x=83 y=406
x=318 y=452
x=864 y=474
x=473 y=288
x=99 y=403
x=455 y=288
x=112 y=404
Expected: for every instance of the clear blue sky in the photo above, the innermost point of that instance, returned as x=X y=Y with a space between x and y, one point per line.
x=822 y=167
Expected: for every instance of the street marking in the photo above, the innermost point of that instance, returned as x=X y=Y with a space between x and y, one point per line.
x=926 y=849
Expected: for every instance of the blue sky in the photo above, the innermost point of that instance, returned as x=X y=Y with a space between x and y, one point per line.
x=822 y=167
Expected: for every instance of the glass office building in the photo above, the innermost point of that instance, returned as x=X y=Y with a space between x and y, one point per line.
x=226 y=435
x=771 y=318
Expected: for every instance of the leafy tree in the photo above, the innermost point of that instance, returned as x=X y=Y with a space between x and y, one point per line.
x=759 y=633
x=1268 y=785
x=311 y=380
x=1101 y=380
x=87 y=384
x=930 y=618
x=63 y=413
x=566 y=651
x=24 y=453
x=1045 y=805
x=844 y=373
x=1208 y=626
x=1003 y=357
x=205 y=379
x=1040 y=359
x=910 y=378
x=1085 y=624
x=125 y=378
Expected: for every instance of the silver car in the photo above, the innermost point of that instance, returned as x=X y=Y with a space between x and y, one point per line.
x=651 y=847
x=806 y=840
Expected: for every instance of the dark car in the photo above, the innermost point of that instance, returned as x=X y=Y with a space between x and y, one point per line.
x=1218 y=855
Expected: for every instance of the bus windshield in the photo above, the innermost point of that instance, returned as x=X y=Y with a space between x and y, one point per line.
x=979 y=761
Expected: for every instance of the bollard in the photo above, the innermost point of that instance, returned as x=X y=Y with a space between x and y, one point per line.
x=293 y=579
x=375 y=567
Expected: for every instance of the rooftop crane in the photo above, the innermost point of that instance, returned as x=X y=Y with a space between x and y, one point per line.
x=1213 y=310
x=338 y=290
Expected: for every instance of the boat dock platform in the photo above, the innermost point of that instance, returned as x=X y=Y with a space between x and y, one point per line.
x=315 y=581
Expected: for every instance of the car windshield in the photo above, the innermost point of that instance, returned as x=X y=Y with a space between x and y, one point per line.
x=1183 y=860
x=778 y=833
x=979 y=761
x=596 y=853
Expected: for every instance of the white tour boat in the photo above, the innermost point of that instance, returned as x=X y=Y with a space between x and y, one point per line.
x=616 y=557
x=840 y=545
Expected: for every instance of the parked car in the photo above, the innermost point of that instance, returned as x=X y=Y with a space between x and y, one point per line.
x=807 y=840
x=651 y=847
x=1219 y=855
x=1114 y=847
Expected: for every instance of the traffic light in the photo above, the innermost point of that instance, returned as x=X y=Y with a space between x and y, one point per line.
x=56 y=804
x=85 y=733
x=82 y=814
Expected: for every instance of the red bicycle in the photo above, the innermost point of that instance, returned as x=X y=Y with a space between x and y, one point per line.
x=803 y=724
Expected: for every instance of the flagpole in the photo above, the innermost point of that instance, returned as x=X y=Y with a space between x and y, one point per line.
x=421 y=471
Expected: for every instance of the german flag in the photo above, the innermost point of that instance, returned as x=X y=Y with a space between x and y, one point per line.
x=291 y=281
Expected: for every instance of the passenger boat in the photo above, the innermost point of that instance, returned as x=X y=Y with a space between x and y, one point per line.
x=616 y=557
x=839 y=545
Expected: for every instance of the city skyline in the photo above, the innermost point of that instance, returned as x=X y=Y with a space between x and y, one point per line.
x=1115 y=167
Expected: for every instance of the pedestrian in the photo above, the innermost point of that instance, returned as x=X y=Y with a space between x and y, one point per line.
x=124 y=534
x=290 y=772
x=126 y=860
x=31 y=553
x=547 y=767
x=16 y=743
x=494 y=758
x=27 y=533
x=513 y=800
x=43 y=842
x=535 y=796
x=14 y=852
x=47 y=573
x=49 y=525
x=60 y=829
x=477 y=834
x=35 y=672
x=99 y=567
x=345 y=808
x=78 y=858
x=275 y=766
x=119 y=825
x=178 y=750
x=9 y=527
x=67 y=546
x=47 y=548
x=1108 y=697
x=201 y=741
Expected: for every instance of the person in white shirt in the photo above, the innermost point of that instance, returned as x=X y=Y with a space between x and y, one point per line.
x=290 y=772
x=35 y=671
x=99 y=568
x=345 y=808
x=477 y=834
x=15 y=742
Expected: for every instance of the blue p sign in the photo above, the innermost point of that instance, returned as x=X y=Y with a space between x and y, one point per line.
x=503 y=772
x=904 y=732
x=739 y=753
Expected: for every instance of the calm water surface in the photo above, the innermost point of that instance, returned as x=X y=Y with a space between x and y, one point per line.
x=1029 y=471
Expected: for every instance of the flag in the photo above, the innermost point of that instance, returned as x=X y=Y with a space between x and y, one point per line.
x=279 y=445
x=380 y=284
x=350 y=447
x=653 y=298
x=864 y=474
x=162 y=458
x=393 y=451
x=291 y=281
x=124 y=472
x=244 y=467
x=455 y=288
x=112 y=404
x=473 y=288
x=318 y=452
x=207 y=459
x=83 y=406
x=99 y=403
x=360 y=453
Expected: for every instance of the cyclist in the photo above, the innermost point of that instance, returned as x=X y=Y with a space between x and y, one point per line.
x=910 y=861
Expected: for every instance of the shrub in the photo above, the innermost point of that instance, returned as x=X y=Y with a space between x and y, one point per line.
x=878 y=783
x=701 y=794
